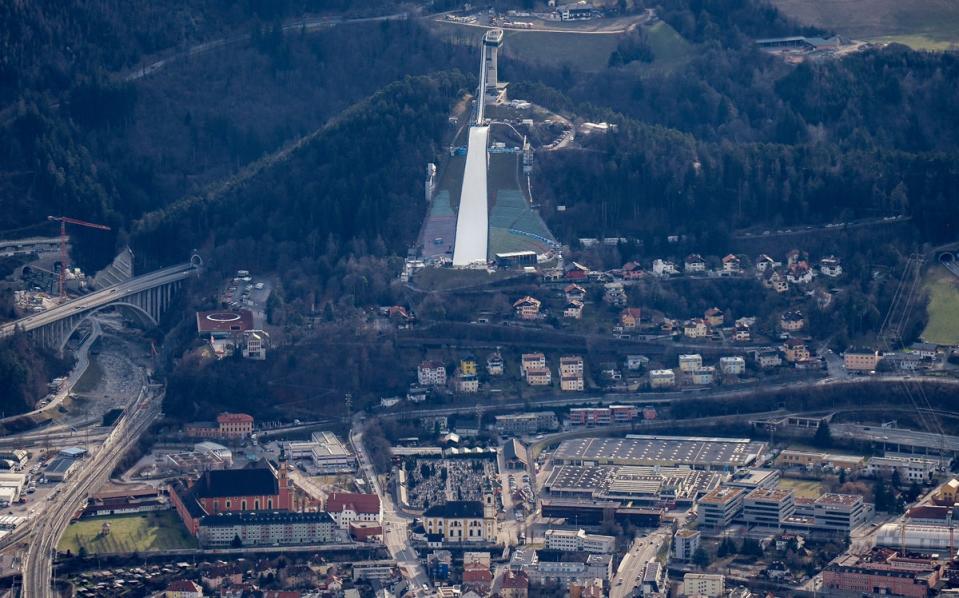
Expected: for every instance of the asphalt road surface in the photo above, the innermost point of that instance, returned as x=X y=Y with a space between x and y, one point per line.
x=630 y=572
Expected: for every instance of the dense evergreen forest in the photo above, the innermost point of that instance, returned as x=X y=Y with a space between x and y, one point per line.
x=356 y=181
x=736 y=137
x=52 y=46
x=24 y=374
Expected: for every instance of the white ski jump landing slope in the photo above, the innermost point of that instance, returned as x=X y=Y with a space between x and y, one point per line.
x=472 y=222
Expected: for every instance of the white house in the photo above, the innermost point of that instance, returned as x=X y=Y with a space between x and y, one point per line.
x=703 y=376
x=694 y=263
x=695 y=328
x=733 y=365
x=664 y=268
x=764 y=263
x=690 y=362
x=830 y=266
x=662 y=378
x=732 y=264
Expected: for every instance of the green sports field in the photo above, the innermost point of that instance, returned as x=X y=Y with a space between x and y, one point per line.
x=161 y=530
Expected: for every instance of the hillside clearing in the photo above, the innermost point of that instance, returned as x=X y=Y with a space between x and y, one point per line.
x=921 y=24
x=943 y=325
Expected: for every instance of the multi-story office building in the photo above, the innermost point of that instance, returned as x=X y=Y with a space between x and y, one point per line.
x=840 y=513
x=586 y=416
x=719 y=507
x=768 y=507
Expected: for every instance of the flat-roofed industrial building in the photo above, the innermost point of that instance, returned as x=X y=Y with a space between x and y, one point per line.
x=631 y=484
x=700 y=453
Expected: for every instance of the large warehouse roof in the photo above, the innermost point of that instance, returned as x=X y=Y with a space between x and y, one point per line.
x=472 y=222
x=916 y=537
x=660 y=450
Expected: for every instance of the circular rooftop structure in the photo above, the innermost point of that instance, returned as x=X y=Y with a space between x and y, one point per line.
x=222 y=317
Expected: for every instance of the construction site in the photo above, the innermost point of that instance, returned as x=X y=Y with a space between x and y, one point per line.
x=43 y=271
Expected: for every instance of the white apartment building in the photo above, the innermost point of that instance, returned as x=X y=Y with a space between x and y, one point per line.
x=532 y=361
x=662 y=378
x=690 y=363
x=918 y=469
x=711 y=585
x=579 y=541
x=703 y=376
x=571 y=365
x=571 y=383
x=732 y=366
x=431 y=373
x=685 y=543
x=538 y=377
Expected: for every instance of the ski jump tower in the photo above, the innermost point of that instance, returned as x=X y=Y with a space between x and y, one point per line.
x=492 y=42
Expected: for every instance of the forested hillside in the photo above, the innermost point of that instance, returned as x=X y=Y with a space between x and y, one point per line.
x=359 y=179
x=51 y=46
x=302 y=152
x=745 y=139
x=24 y=374
x=652 y=182
x=111 y=151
